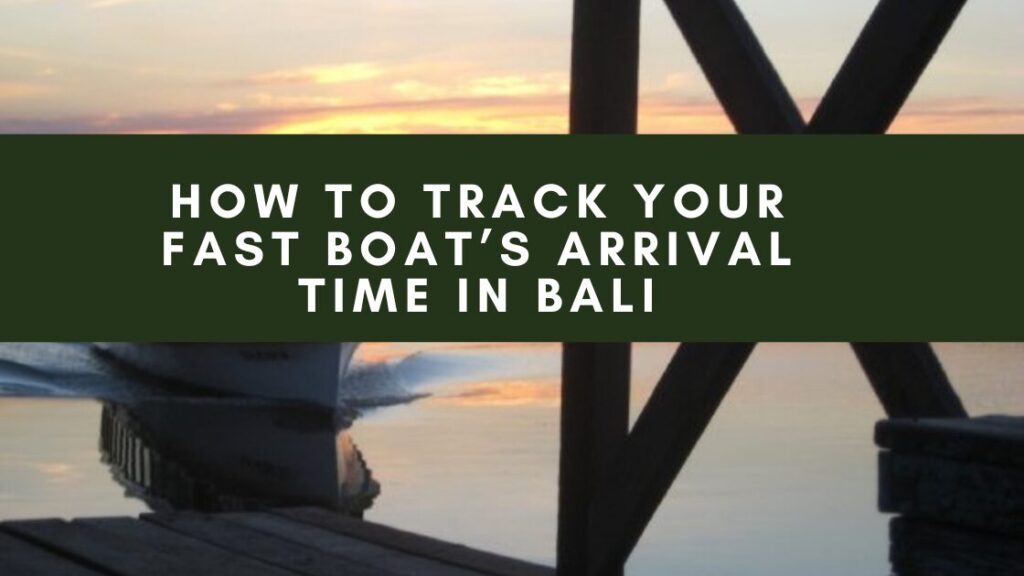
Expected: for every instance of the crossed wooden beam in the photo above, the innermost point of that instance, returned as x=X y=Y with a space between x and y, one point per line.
x=612 y=479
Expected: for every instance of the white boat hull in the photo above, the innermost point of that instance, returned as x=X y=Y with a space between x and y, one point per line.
x=225 y=455
x=304 y=372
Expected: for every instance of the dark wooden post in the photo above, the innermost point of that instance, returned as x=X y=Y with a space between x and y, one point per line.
x=681 y=406
x=595 y=377
x=739 y=71
x=909 y=380
x=605 y=66
x=886 y=62
x=595 y=421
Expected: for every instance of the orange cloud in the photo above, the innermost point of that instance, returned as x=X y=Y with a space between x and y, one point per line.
x=485 y=115
x=385 y=351
x=960 y=116
x=487 y=104
x=506 y=393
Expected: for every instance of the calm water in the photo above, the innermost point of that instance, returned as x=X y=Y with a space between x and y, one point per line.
x=783 y=481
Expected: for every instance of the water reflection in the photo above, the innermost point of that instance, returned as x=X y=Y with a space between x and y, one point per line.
x=220 y=455
x=783 y=482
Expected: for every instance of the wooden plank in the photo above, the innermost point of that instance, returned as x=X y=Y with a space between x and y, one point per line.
x=680 y=408
x=995 y=440
x=415 y=544
x=110 y=552
x=96 y=548
x=175 y=549
x=393 y=561
x=981 y=496
x=921 y=548
x=261 y=546
x=735 y=64
x=19 y=558
x=604 y=69
x=909 y=380
x=594 y=424
x=884 y=65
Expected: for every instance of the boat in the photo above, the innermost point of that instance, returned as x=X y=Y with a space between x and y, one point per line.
x=304 y=372
x=219 y=455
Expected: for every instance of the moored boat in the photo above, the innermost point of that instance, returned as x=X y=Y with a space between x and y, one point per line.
x=303 y=372
x=223 y=455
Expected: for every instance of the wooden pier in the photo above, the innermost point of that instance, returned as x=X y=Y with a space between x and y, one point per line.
x=280 y=542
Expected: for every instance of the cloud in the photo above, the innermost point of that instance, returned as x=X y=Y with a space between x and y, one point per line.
x=14 y=53
x=438 y=111
x=448 y=115
x=960 y=116
x=110 y=3
x=504 y=393
x=469 y=86
x=22 y=90
x=321 y=75
x=89 y=3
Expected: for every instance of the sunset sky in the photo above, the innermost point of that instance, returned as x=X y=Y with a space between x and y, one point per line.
x=436 y=66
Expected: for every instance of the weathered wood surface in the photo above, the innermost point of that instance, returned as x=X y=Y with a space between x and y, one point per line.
x=352 y=549
x=259 y=545
x=966 y=472
x=415 y=544
x=20 y=558
x=979 y=495
x=306 y=542
x=995 y=440
x=101 y=544
x=921 y=548
x=98 y=549
x=958 y=485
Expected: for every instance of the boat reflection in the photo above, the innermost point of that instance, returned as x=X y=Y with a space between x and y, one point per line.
x=224 y=455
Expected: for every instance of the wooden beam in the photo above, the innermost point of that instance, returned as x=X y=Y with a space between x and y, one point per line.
x=909 y=380
x=594 y=424
x=605 y=64
x=632 y=486
x=897 y=43
x=740 y=73
x=885 y=63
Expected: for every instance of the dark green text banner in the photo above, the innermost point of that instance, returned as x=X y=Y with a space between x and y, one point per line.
x=839 y=238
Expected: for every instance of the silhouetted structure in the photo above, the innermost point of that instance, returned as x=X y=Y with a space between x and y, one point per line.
x=957 y=486
x=612 y=479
